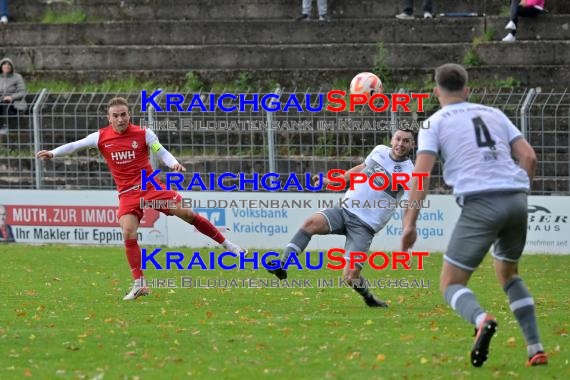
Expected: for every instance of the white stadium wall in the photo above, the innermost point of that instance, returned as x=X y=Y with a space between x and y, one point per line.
x=88 y=217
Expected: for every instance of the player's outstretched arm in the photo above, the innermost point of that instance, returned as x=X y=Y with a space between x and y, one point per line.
x=424 y=164
x=88 y=142
x=163 y=155
x=168 y=159
x=44 y=155
x=357 y=169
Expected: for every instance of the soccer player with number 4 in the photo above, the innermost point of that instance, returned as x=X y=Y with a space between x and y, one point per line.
x=125 y=147
x=476 y=144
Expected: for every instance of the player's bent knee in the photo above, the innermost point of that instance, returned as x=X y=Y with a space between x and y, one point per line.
x=129 y=234
x=315 y=224
x=129 y=231
x=189 y=215
x=185 y=214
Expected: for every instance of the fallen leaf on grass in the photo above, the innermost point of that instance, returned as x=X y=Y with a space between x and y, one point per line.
x=562 y=332
x=353 y=355
x=511 y=342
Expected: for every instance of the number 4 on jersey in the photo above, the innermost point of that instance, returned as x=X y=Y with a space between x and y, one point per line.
x=482 y=134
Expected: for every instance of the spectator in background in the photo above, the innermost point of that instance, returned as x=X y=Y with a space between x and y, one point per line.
x=524 y=8
x=306 y=10
x=408 y=10
x=3 y=11
x=12 y=93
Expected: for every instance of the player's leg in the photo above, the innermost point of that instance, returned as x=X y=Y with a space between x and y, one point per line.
x=508 y=250
x=522 y=306
x=360 y=285
x=359 y=237
x=475 y=231
x=204 y=226
x=453 y=285
x=320 y=223
x=316 y=224
x=129 y=225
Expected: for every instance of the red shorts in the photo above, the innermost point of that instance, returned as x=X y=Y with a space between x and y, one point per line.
x=130 y=202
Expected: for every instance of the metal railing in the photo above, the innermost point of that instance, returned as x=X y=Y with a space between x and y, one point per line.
x=218 y=142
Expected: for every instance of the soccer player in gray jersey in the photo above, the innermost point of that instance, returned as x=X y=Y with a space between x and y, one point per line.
x=359 y=225
x=476 y=144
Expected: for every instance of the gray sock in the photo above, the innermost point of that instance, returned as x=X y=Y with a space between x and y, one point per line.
x=359 y=285
x=522 y=306
x=298 y=244
x=463 y=301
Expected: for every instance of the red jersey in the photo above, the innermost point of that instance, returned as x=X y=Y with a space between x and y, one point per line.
x=126 y=155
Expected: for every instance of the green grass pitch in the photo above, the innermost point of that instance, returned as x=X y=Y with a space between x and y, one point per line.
x=61 y=316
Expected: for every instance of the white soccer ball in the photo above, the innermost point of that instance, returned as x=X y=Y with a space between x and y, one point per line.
x=367 y=84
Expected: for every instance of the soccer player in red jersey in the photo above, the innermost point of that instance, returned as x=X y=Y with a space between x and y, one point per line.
x=125 y=147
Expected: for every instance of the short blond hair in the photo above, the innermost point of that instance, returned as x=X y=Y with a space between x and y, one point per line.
x=117 y=101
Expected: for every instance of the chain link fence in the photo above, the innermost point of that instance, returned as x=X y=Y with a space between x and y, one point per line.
x=256 y=141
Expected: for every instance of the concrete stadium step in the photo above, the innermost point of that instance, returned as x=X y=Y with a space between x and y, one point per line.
x=247 y=32
x=237 y=9
x=555 y=76
x=246 y=57
x=279 y=31
x=243 y=57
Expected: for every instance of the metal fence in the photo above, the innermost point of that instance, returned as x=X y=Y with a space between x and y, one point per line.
x=256 y=141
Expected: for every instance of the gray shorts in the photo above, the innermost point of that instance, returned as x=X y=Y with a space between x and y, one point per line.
x=498 y=218
x=358 y=234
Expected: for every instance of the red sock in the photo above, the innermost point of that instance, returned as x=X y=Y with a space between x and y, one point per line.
x=134 y=257
x=204 y=226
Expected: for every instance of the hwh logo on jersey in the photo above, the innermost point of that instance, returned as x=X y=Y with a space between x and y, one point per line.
x=122 y=156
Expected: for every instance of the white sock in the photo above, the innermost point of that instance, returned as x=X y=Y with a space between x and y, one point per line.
x=534 y=348
x=480 y=318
